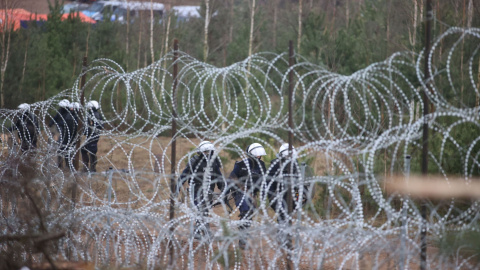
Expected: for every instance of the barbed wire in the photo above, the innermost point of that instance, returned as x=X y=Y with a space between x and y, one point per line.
x=352 y=132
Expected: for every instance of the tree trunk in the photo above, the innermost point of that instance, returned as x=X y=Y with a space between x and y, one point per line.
x=347 y=13
x=250 y=44
x=461 y=55
x=299 y=38
x=24 y=65
x=44 y=75
x=413 y=39
x=5 y=44
x=74 y=62
x=252 y=23
x=275 y=16
x=205 y=32
x=152 y=53
x=470 y=13
x=118 y=99
x=477 y=101
x=387 y=49
x=127 y=39
x=167 y=36
x=334 y=16
x=167 y=31
x=230 y=32
x=421 y=9
x=229 y=37
x=139 y=49
x=86 y=43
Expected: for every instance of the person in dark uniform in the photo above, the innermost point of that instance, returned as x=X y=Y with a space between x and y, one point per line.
x=282 y=171
x=26 y=126
x=66 y=123
x=76 y=110
x=59 y=121
x=246 y=177
x=92 y=136
x=202 y=172
x=71 y=124
x=279 y=173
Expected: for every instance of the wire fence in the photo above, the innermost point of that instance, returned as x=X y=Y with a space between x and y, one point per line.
x=352 y=134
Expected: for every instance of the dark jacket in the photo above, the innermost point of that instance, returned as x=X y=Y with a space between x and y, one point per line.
x=196 y=168
x=94 y=125
x=67 y=124
x=279 y=172
x=247 y=174
x=71 y=127
x=27 y=127
x=59 y=119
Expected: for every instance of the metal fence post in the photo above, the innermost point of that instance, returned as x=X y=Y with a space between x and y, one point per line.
x=174 y=143
x=423 y=209
x=290 y=148
x=403 y=232
x=109 y=198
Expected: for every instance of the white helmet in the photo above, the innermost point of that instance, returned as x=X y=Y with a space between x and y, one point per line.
x=64 y=103
x=76 y=105
x=256 y=150
x=206 y=146
x=93 y=104
x=24 y=107
x=283 y=151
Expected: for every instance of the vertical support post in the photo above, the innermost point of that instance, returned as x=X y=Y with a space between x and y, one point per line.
x=290 y=122
x=423 y=209
x=403 y=232
x=290 y=146
x=174 y=141
x=109 y=198
x=303 y=167
x=109 y=190
x=76 y=159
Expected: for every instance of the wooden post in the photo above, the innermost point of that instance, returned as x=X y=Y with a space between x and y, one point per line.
x=290 y=146
x=174 y=143
x=77 y=145
x=423 y=209
x=76 y=159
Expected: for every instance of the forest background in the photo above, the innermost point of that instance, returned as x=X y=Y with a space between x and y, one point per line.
x=42 y=60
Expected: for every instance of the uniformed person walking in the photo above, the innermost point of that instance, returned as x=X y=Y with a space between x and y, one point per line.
x=92 y=136
x=246 y=177
x=26 y=125
x=66 y=126
x=202 y=172
x=281 y=172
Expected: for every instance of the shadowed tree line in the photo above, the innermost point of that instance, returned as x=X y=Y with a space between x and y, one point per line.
x=45 y=58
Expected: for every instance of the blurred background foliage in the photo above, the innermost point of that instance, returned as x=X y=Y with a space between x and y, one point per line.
x=345 y=36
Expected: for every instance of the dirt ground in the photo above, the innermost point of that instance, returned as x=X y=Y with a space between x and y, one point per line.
x=122 y=152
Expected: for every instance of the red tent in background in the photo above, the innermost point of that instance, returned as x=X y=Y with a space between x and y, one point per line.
x=13 y=17
x=83 y=17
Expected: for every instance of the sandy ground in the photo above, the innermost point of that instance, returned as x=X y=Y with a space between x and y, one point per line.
x=122 y=152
